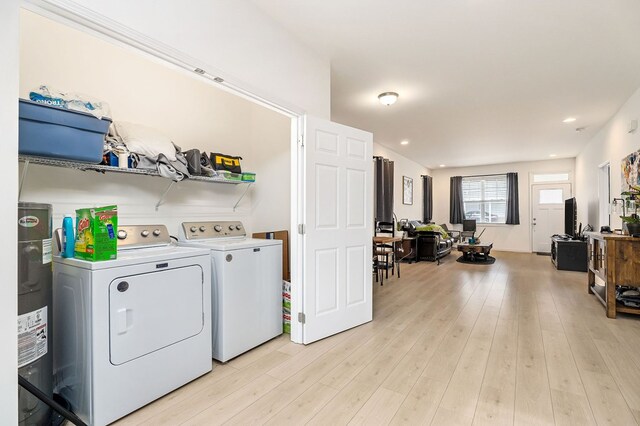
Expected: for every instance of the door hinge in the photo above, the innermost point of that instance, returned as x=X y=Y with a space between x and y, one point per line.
x=302 y=229
x=301 y=317
x=302 y=140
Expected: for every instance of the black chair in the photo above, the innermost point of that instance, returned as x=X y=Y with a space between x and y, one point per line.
x=379 y=264
x=386 y=251
x=468 y=229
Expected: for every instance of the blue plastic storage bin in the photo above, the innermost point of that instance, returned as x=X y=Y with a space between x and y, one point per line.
x=48 y=131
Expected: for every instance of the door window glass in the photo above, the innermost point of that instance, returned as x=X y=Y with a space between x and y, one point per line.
x=550 y=196
x=550 y=177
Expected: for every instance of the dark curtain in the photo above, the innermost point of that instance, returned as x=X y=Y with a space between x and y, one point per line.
x=513 y=204
x=456 y=207
x=427 y=197
x=384 y=189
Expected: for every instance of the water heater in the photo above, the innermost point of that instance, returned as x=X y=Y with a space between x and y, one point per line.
x=35 y=358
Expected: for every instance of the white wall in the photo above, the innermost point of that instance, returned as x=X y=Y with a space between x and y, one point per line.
x=503 y=237
x=194 y=113
x=404 y=167
x=271 y=201
x=8 y=210
x=611 y=144
x=234 y=38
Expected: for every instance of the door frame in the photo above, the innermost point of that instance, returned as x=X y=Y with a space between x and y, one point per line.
x=88 y=21
x=604 y=170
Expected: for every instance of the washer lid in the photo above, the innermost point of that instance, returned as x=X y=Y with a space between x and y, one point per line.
x=231 y=244
x=136 y=256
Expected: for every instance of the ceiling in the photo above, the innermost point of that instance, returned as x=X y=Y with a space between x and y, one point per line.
x=480 y=81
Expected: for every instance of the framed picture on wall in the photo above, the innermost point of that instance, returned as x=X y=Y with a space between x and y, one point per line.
x=630 y=170
x=407 y=190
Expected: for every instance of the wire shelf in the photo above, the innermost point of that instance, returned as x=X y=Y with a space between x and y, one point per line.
x=77 y=165
x=112 y=169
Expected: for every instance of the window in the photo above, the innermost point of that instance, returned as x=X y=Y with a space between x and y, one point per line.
x=485 y=198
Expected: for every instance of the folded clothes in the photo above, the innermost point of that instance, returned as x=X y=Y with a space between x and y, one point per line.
x=628 y=295
x=149 y=150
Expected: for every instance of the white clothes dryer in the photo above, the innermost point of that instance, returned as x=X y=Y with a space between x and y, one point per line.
x=130 y=330
x=246 y=285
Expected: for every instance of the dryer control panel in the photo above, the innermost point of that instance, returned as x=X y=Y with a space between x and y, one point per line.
x=142 y=236
x=214 y=229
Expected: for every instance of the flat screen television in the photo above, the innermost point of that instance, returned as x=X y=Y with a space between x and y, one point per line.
x=570 y=217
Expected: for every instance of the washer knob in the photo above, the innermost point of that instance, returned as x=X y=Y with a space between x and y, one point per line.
x=231 y=227
x=156 y=232
x=217 y=228
x=238 y=227
x=145 y=233
x=203 y=228
x=193 y=229
x=122 y=234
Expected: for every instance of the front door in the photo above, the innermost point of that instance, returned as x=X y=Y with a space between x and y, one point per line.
x=548 y=213
x=338 y=212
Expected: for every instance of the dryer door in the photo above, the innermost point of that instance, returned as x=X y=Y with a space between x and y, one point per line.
x=148 y=312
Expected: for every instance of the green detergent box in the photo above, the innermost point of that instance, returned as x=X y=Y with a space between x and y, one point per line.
x=96 y=233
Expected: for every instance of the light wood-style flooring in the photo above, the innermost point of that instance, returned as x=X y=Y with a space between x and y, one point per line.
x=516 y=342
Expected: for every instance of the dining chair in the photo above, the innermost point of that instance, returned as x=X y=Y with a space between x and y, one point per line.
x=387 y=251
x=377 y=265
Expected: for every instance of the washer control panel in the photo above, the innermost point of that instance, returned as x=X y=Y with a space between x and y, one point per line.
x=142 y=235
x=217 y=229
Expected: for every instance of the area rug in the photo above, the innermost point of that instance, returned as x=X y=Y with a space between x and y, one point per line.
x=490 y=260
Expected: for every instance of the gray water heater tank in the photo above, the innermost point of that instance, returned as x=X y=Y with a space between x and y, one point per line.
x=35 y=360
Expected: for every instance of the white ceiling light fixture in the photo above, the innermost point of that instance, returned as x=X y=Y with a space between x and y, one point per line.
x=442 y=165
x=553 y=155
x=569 y=120
x=404 y=143
x=388 y=98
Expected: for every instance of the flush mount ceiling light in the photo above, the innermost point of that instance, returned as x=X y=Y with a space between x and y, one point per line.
x=388 y=98
x=404 y=143
x=569 y=120
x=442 y=165
x=553 y=155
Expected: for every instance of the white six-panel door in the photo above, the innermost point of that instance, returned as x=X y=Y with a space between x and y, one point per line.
x=338 y=212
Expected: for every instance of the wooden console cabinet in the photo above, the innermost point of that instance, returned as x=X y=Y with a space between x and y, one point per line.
x=615 y=259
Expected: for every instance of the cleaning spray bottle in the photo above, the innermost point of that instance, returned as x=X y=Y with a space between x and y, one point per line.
x=68 y=238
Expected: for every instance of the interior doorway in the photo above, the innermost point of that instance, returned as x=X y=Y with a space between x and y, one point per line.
x=547 y=213
x=604 y=194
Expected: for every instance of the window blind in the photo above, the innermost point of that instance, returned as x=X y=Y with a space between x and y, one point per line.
x=485 y=198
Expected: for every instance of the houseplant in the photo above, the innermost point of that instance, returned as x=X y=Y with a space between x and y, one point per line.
x=631 y=221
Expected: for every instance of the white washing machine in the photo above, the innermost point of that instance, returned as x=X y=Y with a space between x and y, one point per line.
x=130 y=330
x=246 y=285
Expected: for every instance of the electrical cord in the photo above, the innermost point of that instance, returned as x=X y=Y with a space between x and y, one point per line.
x=50 y=402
